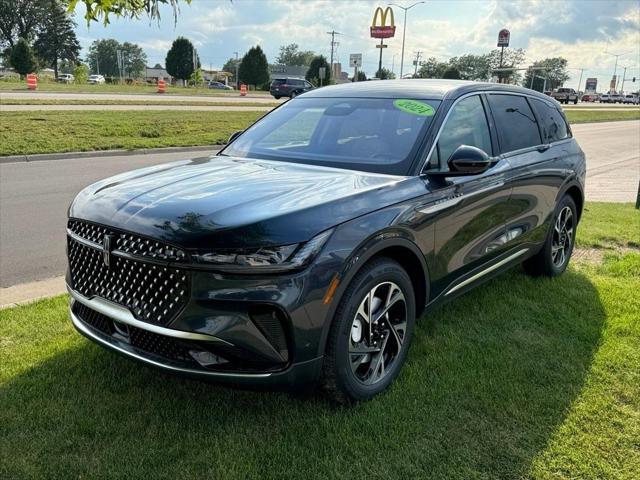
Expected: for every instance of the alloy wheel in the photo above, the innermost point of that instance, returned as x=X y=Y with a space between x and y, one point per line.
x=562 y=237
x=377 y=333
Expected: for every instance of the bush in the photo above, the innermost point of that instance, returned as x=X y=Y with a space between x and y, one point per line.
x=81 y=73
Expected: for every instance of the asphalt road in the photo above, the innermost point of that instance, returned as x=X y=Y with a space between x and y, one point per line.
x=34 y=195
x=190 y=108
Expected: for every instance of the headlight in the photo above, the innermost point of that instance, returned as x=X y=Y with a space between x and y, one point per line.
x=265 y=259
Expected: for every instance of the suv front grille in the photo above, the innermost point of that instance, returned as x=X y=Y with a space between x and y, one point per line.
x=138 y=275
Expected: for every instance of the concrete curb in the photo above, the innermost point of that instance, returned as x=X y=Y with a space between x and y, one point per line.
x=105 y=153
x=29 y=292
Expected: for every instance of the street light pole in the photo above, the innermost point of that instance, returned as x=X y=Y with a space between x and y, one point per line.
x=237 y=79
x=404 y=30
x=615 y=68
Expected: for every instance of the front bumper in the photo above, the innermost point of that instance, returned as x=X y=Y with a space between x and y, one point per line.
x=148 y=351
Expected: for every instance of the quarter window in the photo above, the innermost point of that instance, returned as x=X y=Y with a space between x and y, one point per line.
x=466 y=125
x=554 y=126
x=515 y=122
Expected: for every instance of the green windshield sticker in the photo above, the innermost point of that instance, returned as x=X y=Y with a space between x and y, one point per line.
x=414 y=107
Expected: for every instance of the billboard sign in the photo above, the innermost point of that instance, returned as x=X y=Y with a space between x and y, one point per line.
x=503 y=37
x=355 y=60
x=380 y=28
x=612 y=85
x=591 y=85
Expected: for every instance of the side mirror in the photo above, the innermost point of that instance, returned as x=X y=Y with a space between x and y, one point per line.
x=467 y=160
x=234 y=135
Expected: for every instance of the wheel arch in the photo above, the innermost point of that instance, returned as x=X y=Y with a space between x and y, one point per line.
x=574 y=190
x=390 y=245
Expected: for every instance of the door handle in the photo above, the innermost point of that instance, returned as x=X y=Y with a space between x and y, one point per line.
x=544 y=148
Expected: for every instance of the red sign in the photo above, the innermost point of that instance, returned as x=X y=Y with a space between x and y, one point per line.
x=379 y=27
x=503 y=37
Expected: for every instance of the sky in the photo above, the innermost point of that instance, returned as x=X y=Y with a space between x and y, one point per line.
x=585 y=32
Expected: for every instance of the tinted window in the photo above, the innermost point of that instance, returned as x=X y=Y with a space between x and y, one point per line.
x=516 y=125
x=278 y=81
x=553 y=125
x=466 y=125
x=369 y=134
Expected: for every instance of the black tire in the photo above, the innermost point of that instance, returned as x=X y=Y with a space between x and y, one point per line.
x=338 y=379
x=575 y=102
x=548 y=261
x=293 y=94
x=277 y=97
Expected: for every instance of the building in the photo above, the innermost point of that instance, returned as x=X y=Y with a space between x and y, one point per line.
x=153 y=74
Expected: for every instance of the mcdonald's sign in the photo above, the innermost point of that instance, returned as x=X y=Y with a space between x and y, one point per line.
x=379 y=27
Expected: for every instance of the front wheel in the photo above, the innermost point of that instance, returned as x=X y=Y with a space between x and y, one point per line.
x=553 y=258
x=371 y=333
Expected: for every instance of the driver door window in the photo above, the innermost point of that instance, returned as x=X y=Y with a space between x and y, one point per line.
x=466 y=125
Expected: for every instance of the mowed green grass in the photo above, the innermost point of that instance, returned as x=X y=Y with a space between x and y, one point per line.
x=72 y=131
x=25 y=133
x=521 y=378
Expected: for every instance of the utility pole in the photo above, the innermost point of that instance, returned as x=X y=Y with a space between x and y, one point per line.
x=580 y=81
x=237 y=65
x=404 y=30
x=417 y=62
x=623 y=78
x=334 y=44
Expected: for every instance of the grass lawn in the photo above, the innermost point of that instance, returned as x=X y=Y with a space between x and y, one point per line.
x=521 y=378
x=581 y=116
x=210 y=101
x=23 y=133
x=72 y=131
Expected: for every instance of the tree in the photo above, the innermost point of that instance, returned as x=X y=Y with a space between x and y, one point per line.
x=432 y=68
x=22 y=58
x=20 y=19
x=513 y=58
x=81 y=73
x=361 y=76
x=385 y=74
x=232 y=66
x=180 y=59
x=103 y=58
x=97 y=9
x=451 y=73
x=254 y=69
x=57 y=38
x=553 y=69
x=290 y=55
x=313 y=74
x=472 y=67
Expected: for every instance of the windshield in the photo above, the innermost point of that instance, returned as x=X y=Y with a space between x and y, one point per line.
x=368 y=134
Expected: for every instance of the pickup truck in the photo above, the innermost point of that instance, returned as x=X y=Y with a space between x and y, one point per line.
x=565 y=95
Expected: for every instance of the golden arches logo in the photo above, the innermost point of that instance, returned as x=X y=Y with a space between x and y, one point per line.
x=382 y=30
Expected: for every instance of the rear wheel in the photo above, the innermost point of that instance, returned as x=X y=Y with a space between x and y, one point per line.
x=294 y=94
x=553 y=258
x=370 y=334
x=277 y=97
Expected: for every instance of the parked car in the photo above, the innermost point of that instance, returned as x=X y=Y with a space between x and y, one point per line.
x=611 y=97
x=604 y=98
x=632 y=99
x=305 y=250
x=288 y=87
x=590 y=97
x=565 y=95
x=95 y=79
x=65 y=78
x=219 y=86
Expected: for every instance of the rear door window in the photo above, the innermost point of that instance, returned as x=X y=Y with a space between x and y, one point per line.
x=516 y=125
x=554 y=126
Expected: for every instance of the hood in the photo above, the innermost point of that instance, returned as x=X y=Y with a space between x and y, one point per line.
x=235 y=202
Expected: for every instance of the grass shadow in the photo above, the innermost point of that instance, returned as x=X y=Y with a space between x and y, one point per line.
x=489 y=378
